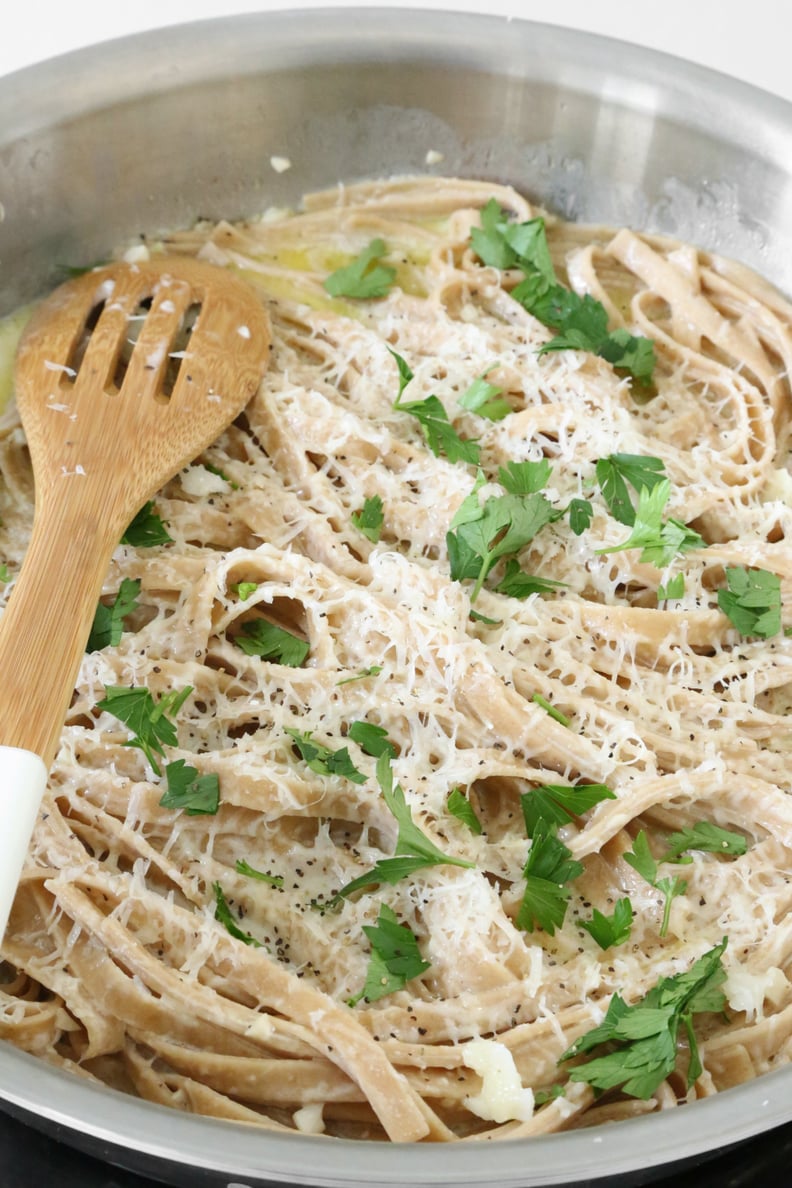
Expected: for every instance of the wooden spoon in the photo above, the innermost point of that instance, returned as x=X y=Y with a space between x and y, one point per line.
x=106 y=429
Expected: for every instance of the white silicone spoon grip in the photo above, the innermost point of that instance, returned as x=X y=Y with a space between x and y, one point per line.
x=23 y=778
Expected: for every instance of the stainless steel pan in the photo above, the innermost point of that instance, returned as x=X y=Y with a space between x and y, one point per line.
x=152 y=131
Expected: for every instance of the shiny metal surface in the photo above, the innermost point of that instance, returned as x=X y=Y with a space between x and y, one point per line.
x=155 y=130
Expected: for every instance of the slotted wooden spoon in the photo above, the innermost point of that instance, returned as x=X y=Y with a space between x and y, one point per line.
x=106 y=429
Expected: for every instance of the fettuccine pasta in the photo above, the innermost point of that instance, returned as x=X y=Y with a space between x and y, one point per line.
x=212 y=961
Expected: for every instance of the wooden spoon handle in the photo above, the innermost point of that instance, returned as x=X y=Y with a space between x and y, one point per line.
x=46 y=624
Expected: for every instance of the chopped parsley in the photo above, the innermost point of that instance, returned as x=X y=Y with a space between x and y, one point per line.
x=221 y=474
x=548 y=869
x=322 y=760
x=554 y=713
x=482 y=534
x=518 y=584
x=483 y=398
x=641 y=859
x=372 y=739
x=557 y=804
x=364 y=277
x=395 y=957
x=703 y=836
x=659 y=541
x=108 y=623
x=460 y=807
x=373 y=670
x=147 y=718
x=414 y=850
x=5 y=573
x=580 y=515
x=752 y=601
x=614 y=473
x=370 y=518
x=243 y=590
x=642 y=1039
x=250 y=872
x=674 y=588
x=439 y=433
x=147 y=529
x=189 y=790
x=224 y=915
x=611 y=930
x=581 y=322
x=262 y=638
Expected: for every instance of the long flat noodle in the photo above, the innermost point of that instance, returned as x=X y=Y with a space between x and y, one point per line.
x=323 y=515
x=340 y=1038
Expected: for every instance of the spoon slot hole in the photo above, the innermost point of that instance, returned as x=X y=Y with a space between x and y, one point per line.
x=74 y=361
x=135 y=320
x=179 y=350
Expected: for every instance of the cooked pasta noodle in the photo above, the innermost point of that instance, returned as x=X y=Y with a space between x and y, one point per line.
x=115 y=963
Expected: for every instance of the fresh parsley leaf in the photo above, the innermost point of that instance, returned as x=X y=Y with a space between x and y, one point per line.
x=543 y=1096
x=373 y=670
x=414 y=850
x=363 y=277
x=482 y=398
x=189 y=790
x=551 y=710
x=524 y=478
x=557 y=804
x=371 y=739
x=224 y=915
x=642 y=860
x=439 y=434
x=582 y=322
x=611 y=930
x=644 y=1035
x=752 y=601
x=549 y=867
x=147 y=718
x=108 y=624
x=395 y=957
x=674 y=588
x=517 y=584
x=265 y=639
x=703 y=836
x=581 y=512
x=5 y=574
x=370 y=518
x=147 y=529
x=477 y=617
x=244 y=868
x=504 y=244
x=480 y=535
x=630 y=352
x=669 y=888
x=460 y=807
x=220 y=474
x=324 y=761
x=659 y=542
x=642 y=472
x=243 y=590
x=405 y=374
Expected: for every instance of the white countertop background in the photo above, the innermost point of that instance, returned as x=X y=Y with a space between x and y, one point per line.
x=748 y=40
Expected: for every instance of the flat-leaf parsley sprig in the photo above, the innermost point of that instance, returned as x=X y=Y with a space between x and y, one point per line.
x=481 y=534
x=395 y=957
x=640 y=1042
x=581 y=322
x=148 y=718
x=414 y=850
